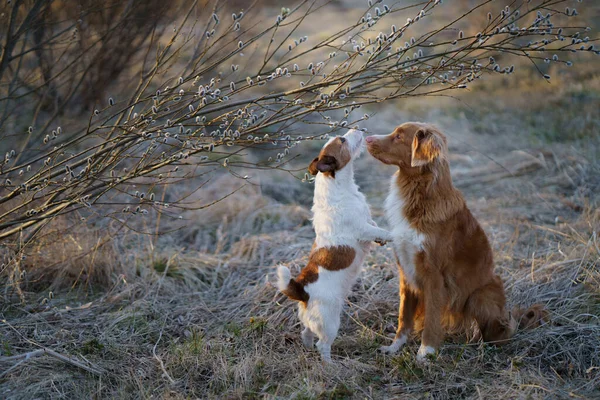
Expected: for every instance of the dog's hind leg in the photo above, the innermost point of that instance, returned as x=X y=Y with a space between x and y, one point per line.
x=487 y=306
x=307 y=334
x=308 y=337
x=325 y=350
x=328 y=330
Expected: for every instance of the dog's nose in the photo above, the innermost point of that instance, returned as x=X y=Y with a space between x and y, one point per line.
x=370 y=139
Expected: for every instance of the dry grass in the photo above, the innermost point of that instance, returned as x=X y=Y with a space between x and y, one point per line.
x=179 y=322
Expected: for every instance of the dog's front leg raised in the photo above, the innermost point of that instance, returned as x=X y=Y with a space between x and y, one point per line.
x=434 y=297
x=373 y=233
x=409 y=301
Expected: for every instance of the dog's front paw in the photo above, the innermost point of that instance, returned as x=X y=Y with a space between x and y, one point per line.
x=391 y=349
x=395 y=346
x=425 y=354
x=381 y=242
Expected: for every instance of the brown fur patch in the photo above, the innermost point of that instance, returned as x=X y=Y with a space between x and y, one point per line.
x=312 y=168
x=426 y=146
x=295 y=291
x=333 y=157
x=334 y=258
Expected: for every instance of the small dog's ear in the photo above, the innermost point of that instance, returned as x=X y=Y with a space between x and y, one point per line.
x=327 y=164
x=323 y=164
x=426 y=147
x=312 y=168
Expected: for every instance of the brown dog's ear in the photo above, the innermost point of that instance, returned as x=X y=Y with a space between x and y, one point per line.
x=426 y=147
x=312 y=168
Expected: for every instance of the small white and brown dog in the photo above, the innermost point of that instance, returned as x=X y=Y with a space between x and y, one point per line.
x=344 y=232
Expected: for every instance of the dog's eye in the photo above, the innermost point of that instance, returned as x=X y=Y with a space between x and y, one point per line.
x=343 y=140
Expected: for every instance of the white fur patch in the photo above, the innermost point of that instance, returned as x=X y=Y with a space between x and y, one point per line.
x=283 y=277
x=407 y=241
x=395 y=346
x=341 y=214
x=423 y=352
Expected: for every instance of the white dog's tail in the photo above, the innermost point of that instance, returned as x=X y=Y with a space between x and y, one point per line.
x=289 y=286
x=283 y=277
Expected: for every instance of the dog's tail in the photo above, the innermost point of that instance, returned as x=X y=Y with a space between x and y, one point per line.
x=529 y=318
x=289 y=286
x=487 y=305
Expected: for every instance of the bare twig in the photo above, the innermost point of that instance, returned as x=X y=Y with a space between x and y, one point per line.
x=36 y=353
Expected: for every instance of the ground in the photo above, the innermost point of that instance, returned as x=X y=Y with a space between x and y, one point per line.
x=194 y=315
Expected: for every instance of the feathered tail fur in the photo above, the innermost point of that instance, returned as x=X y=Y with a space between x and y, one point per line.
x=531 y=317
x=289 y=286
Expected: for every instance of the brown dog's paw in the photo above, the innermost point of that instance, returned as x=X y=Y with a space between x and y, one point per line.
x=426 y=354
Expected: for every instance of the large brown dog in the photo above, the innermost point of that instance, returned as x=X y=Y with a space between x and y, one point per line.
x=445 y=262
